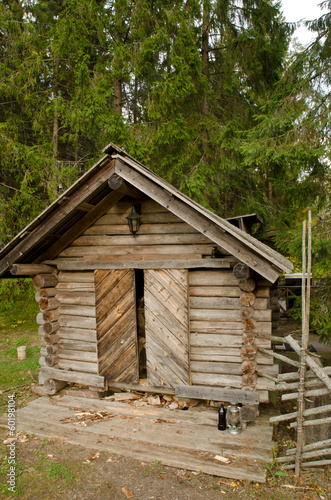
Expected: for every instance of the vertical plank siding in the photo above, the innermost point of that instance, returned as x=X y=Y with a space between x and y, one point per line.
x=116 y=325
x=167 y=327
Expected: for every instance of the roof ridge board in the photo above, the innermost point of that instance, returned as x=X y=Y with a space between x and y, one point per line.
x=283 y=262
x=32 y=225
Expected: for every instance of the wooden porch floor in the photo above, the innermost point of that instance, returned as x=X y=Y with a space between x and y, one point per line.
x=186 y=439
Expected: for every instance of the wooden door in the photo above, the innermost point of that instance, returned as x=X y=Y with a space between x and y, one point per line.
x=167 y=327
x=116 y=325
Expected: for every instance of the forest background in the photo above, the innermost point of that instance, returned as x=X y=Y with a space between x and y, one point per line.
x=209 y=94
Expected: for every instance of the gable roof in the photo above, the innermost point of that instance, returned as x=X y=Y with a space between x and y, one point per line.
x=89 y=198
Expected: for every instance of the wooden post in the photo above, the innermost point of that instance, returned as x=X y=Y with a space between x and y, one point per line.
x=304 y=344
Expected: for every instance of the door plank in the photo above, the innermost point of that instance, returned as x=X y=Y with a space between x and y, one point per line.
x=116 y=325
x=167 y=327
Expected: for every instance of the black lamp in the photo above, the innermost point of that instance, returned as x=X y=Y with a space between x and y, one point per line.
x=134 y=219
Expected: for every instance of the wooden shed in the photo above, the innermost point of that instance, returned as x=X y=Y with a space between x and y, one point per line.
x=181 y=307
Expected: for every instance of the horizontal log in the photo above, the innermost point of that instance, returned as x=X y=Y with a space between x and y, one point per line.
x=217 y=394
x=306 y=413
x=311 y=423
x=78 y=366
x=138 y=257
x=248 y=352
x=117 y=183
x=212 y=367
x=230 y=315
x=209 y=379
x=249 y=379
x=231 y=355
x=145 y=264
x=124 y=206
x=45 y=292
x=75 y=277
x=310 y=454
x=51 y=316
x=241 y=271
x=52 y=386
x=50 y=328
x=76 y=298
x=52 y=349
x=104 y=251
x=229 y=326
x=210 y=339
x=43 y=351
x=75 y=377
x=313 y=392
x=78 y=346
x=248 y=367
x=308 y=465
x=248 y=338
x=78 y=310
x=51 y=338
x=46 y=303
x=141 y=239
x=30 y=269
x=77 y=322
x=247 y=285
x=42 y=361
x=247 y=299
x=79 y=334
x=51 y=360
x=326 y=443
x=44 y=281
x=114 y=229
x=283 y=377
x=40 y=320
x=76 y=287
x=212 y=278
x=214 y=303
x=91 y=357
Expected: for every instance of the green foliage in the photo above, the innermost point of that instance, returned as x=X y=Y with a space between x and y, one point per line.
x=17 y=293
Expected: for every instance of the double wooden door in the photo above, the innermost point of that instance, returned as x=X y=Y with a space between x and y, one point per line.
x=166 y=326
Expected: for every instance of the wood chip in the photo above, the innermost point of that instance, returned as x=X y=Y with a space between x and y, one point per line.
x=224 y=460
x=127 y=493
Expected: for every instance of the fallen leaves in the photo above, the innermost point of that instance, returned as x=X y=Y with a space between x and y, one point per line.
x=166 y=420
x=127 y=493
x=89 y=459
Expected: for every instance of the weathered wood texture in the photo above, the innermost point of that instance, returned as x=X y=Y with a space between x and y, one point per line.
x=116 y=325
x=224 y=320
x=161 y=233
x=167 y=327
x=183 y=439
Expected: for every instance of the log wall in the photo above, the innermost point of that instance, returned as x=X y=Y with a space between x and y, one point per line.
x=224 y=325
x=162 y=235
x=68 y=324
x=227 y=314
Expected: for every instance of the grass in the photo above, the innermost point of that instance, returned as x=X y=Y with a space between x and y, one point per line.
x=17 y=328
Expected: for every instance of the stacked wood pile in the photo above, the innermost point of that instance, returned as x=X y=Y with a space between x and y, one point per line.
x=226 y=315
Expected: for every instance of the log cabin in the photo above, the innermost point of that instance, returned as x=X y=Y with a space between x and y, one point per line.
x=142 y=288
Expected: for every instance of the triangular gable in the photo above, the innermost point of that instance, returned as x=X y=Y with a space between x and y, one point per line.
x=90 y=197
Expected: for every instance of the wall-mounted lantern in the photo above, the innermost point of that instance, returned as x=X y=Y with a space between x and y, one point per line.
x=134 y=218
